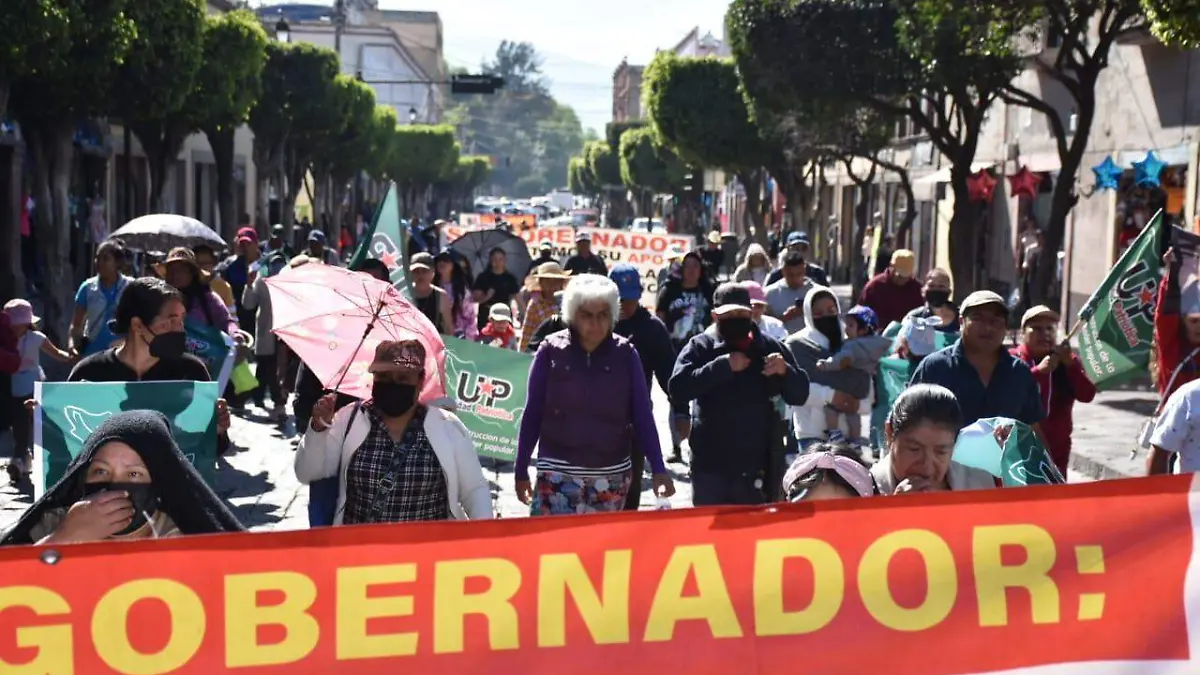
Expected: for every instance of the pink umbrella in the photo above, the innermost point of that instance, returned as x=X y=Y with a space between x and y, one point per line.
x=333 y=319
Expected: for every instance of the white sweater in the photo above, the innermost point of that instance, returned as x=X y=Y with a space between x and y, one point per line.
x=322 y=455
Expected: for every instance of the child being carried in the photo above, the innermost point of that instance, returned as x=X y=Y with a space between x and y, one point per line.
x=861 y=350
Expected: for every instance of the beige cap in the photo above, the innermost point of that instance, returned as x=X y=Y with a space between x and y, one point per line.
x=1041 y=311
x=982 y=299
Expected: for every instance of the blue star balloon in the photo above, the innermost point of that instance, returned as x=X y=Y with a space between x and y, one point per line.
x=1108 y=174
x=1146 y=172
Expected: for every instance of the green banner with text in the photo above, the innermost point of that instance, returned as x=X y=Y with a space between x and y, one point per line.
x=488 y=385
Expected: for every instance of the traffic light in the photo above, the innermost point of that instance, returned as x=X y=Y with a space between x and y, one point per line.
x=475 y=84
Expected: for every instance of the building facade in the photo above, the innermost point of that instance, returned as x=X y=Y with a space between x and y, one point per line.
x=627 y=93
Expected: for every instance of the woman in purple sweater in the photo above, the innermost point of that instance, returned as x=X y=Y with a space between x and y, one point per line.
x=586 y=404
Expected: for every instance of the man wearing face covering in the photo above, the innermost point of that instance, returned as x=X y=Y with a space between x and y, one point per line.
x=131 y=481
x=734 y=372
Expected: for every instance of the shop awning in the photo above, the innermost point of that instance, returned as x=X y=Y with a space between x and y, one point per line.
x=942 y=175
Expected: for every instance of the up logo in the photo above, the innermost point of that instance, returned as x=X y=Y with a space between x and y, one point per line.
x=384 y=249
x=485 y=391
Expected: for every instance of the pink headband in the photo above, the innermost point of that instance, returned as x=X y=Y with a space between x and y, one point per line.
x=855 y=474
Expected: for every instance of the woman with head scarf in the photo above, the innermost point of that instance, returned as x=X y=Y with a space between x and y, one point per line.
x=828 y=471
x=756 y=267
x=921 y=431
x=586 y=403
x=131 y=481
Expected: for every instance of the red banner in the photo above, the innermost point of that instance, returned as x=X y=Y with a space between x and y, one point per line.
x=945 y=584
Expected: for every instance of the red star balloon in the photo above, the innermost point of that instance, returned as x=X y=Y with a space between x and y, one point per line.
x=1025 y=182
x=981 y=185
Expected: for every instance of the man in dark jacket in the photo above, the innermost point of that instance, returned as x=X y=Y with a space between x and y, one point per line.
x=733 y=372
x=584 y=261
x=649 y=336
x=798 y=241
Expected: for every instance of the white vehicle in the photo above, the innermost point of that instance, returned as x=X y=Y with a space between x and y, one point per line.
x=647 y=225
x=562 y=200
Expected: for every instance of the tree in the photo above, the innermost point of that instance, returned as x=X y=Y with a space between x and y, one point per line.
x=34 y=31
x=382 y=141
x=342 y=149
x=1175 y=22
x=422 y=156
x=604 y=165
x=294 y=105
x=155 y=81
x=59 y=90
x=1086 y=31
x=227 y=87
x=649 y=167
x=938 y=62
x=579 y=179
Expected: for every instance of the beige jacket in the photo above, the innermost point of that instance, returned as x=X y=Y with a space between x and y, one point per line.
x=959 y=477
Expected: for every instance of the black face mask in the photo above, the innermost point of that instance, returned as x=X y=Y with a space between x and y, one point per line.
x=145 y=502
x=735 y=329
x=831 y=328
x=937 y=298
x=168 y=345
x=393 y=398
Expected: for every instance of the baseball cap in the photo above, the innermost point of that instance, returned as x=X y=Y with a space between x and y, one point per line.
x=865 y=316
x=245 y=240
x=421 y=260
x=277 y=230
x=583 y=236
x=316 y=236
x=730 y=297
x=903 y=261
x=982 y=299
x=628 y=281
x=1041 y=311
x=500 y=312
x=714 y=237
x=248 y=233
x=795 y=238
x=546 y=246
x=758 y=295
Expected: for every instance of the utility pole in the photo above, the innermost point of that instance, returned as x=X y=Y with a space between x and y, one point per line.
x=339 y=24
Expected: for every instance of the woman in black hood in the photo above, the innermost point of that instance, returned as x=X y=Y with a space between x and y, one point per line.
x=131 y=481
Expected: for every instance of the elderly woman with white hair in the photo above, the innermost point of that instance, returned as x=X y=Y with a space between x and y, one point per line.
x=586 y=403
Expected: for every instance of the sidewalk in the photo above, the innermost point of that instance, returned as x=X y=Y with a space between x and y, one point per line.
x=1106 y=431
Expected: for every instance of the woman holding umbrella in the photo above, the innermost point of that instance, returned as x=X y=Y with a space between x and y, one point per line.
x=396 y=460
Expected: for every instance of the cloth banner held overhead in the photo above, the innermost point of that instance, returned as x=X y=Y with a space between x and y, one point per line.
x=1092 y=579
x=488 y=386
x=68 y=412
x=1116 y=325
x=646 y=251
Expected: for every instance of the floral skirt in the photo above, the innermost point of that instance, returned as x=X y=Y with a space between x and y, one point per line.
x=557 y=494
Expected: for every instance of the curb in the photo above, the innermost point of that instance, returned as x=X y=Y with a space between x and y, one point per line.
x=1096 y=469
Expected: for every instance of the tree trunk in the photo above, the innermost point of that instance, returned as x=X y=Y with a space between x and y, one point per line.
x=12 y=282
x=162 y=144
x=221 y=142
x=752 y=183
x=294 y=177
x=53 y=150
x=964 y=232
x=268 y=162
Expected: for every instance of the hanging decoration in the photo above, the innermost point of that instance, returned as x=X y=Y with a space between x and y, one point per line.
x=1147 y=172
x=1108 y=174
x=981 y=185
x=1024 y=182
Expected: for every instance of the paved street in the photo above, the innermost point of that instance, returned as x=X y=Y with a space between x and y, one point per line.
x=258 y=478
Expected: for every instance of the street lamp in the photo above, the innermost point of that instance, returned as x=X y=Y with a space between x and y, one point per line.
x=412 y=115
x=283 y=32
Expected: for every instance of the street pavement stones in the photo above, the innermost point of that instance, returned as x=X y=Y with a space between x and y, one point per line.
x=259 y=482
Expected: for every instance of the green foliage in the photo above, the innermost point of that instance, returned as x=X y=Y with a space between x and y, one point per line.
x=527 y=132
x=382 y=141
x=579 y=179
x=603 y=164
x=72 y=79
x=344 y=149
x=423 y=155
x=33 y=30
x=613 y=131
x=1175 y=22
x=159 y=71
x=474 y=171
x=697 y=109
x=230 y=76
x=647 y=164
x=297 y=81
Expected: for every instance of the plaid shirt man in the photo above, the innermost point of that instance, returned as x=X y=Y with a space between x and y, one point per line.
x=418 y=488
x=536 y=313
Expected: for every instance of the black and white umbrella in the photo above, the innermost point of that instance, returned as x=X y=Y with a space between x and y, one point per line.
x=477 y=247
x=164 y=231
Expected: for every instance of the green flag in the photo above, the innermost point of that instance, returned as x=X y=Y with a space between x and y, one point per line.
x=1117 y=323
x=68 y=412
x=488 y=385
x=385 y=240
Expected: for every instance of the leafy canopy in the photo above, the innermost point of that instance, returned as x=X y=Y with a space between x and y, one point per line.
x=229 y=80
x=1175 y=22
x=423 y=155
x=647 y=164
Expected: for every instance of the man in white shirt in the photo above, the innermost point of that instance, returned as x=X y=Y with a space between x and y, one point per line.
x=1177 y=432
x=768 y=325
